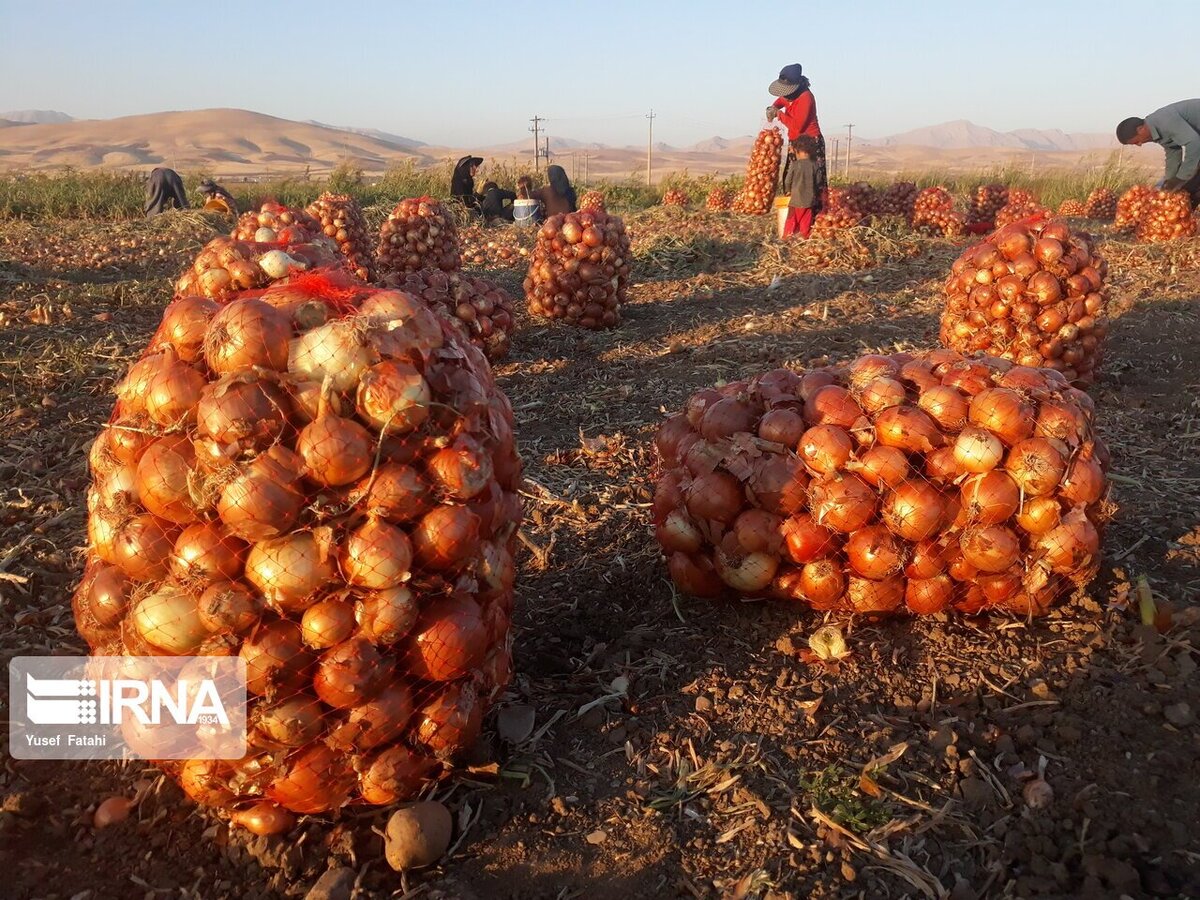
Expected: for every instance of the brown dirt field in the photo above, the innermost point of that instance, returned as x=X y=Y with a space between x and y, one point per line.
x=681 y=748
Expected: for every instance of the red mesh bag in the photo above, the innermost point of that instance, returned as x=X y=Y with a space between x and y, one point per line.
x=321 y=478
x=579 y=270
x=1166 y=216
x=418 y=234
x=893 y=484
x=341 y=220
x=1101 y=204
x=1072 y=208
x=933 y=211
x=674 y=197
x=1032 y=293
x=718 y=199
x=1021 y=205
x=762 y=173
x=1132 y=206
x=841 y=212
x=274 y=223
x=483 y=311
x=592 y=201
x=897 y=200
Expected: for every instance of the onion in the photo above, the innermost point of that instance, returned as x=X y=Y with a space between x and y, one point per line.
x=112 y=811
x=228 y=607
x=881 y=466
x=327 y=623
x=393 y=397
x=908 y=428
x=132 y=389
x=977 y=450
x=262 y=502
x=287 y=571
x=395 y=492
x=1072 y=546
x=749 y=574
x=242 y=408
x=247 y=333
x=1061 y=421
x=317 y=780
x=925 y=596
x=184 y=325
x=914 y=510
x=450 y=640
x=376 y=555
x=451 y=722
x=715 y=495
x=992 y=548
x=1001 y=586
x=823 y=584
x=263 y=818
x=1004 y=413
x=805 y=540
x=781 y=426
x=275 y=657
x=395 y=774
x=832 y=405
x=990 y=499
x=757 y=531
x=842 y=502
x=727 y=417
x=168 y=619
x=670 y=435
x=384 y=617
x=336 y=350
x=942 y=466
x=173 y=391
x=874 y=552
x=141 y=547
x=378 y=721
x=927 y=560
x=335 y=450
x=445 y=537
x=1036 y=466
x=205 y=782
x=292 y=722
x=1039 y=514
x=695 y=575
x=825 y=448
x=204 y=553
x=870 y=596
x=778 y=484
x=678 y=533
x=1084 y=483
x=698 y=403
x=164 y=479
x=350 y=673
x=461 y=470
x=882 y=393
x=108 y=595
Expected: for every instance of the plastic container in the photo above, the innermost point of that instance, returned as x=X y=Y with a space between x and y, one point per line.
x=781 y=214
x=525 y=212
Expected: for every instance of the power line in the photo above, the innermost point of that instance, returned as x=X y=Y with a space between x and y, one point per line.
x=849 y=141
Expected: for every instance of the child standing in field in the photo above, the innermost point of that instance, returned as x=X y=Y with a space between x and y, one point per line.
x=802 y=185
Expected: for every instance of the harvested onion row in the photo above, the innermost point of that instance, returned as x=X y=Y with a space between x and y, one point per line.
x=321 y=480
x=482 y=310
x=1033 y=294
x=341 y=220
x=892 y=484
x=418 y=234
x=579 y=270
x=762 y=172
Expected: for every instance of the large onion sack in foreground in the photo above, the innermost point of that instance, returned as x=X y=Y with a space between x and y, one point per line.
x=579 y=270
x=482 y=310
x=228 y=265
x=418 y=234
x=762 y=172
x=336 y=504
x=341 y=220
x=1033 y=294
x=892 y=484
x=1167 y=216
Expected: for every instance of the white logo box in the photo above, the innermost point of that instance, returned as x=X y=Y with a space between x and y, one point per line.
x=127 y=707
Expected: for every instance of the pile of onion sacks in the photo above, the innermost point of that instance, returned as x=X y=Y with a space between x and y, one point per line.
x=322 y=480
x=892 y=484
x=579 y=269
x=1033 y=294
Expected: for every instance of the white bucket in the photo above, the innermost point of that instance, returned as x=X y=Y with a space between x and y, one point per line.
x=525 y=212
x=781 y=214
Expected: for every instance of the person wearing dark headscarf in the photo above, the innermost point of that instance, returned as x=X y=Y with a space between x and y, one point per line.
x=558 y=196
x=163 y=191
x=493 y=206
x=217 y=198
x=796 y=108
x=462 y=182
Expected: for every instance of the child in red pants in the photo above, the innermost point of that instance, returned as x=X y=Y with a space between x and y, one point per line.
x=802 y=184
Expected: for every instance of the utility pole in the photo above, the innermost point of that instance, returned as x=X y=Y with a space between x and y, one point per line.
x=587 y=158
x=650 y=150
x=536 y=120
x=546 y=154
x=849 y=141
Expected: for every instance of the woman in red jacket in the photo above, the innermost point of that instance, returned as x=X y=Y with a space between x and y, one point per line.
x=796 y=108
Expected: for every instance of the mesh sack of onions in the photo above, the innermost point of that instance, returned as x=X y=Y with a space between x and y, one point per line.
x=337 y=505
x=1033 y=294
x=341 y=220
x=418 y=234
x=674 y=197
x=762 y=172
x=1072 y=207
x=275 y=223
x=1167 y=216
x=1132 y=205
x=841 y=211
x=1015 y=210
x=483 y=311
x=986 y=202
x=893 y=484
x=718 y=199
x=1101 y=204
x=933 y=211
x=863 y=197
x=227 y=265
x=592 y=201
x=897 y=200
x=579 y=270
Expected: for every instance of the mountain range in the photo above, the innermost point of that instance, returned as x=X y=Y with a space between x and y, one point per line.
x=242 y=143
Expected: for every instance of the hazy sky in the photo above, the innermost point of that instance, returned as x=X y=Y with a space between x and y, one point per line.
x=463 y=73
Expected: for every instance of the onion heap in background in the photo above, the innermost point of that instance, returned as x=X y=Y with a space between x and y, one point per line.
x=1132 y=206
x=1033 y=294
x=988 y=200
x=933 y=211
x=762 y=174
x=1166 y=216
x=592 y=201
x=841 y=211
x=579 y=270
x=718 y=199
x=675 y=197
x=1101 y=204
x=897 y=199
x=227 y=265
x=482 y=310
x=333 y=498
x=1072 y=207
x=341 y=220
x=418 y=234
x=892 y=484
x=1021 y=204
